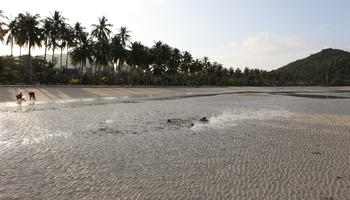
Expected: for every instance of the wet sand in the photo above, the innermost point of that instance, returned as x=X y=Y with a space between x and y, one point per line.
x=259 y=143
x=56 y=93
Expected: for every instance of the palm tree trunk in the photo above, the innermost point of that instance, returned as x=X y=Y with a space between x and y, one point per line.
x=53 y=53
x=67 y=58
x=12 y=53
x=61 y=59
x=12 y=48
x=20 y=55
x=119 y=66
x=82 y=72
x=45 y=50
x=30 y=65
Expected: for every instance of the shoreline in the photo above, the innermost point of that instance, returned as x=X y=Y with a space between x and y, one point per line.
x=58 y=92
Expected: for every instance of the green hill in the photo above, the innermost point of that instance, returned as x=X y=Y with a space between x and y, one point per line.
x=330 y=66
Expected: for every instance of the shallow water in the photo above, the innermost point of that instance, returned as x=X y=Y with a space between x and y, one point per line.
x=254 y=146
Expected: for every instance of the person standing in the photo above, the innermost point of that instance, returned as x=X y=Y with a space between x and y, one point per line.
x=31 y=95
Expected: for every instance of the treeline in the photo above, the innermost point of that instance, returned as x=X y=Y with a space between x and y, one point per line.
x=115 y=60
x=13 y=71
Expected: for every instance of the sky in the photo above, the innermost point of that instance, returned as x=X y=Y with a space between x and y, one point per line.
x=264 y=34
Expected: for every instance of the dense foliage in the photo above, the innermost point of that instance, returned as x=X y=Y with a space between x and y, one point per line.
x=114 y=59
x=328 y=67
x=13 y=70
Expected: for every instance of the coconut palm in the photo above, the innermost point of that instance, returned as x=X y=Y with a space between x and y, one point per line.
x=3 y=31
x=101 y=54
x=20 y=36
x=12 y=34
x=66 y=41
x=81 y=53
x=186 y=62
x=69 y=37
x=196 y=66
x=124 y=36
x=175 y=61
x=56 y=22
x=30 y=29
x=161 y=54
x=140 y=59
x=206 y=63
x=78 y=33
x=138 y=55
x=46 y=34
x=116 y=51
x=101 y=31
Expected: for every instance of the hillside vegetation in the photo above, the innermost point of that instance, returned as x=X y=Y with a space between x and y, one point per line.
x=330 y=66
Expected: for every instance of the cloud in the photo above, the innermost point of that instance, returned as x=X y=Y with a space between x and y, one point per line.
x=159 y=1
x=266 y=43
x=324 y=26
x=233 y=44
x=266 y=50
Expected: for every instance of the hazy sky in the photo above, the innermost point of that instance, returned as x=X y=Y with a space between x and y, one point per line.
x=262 y=34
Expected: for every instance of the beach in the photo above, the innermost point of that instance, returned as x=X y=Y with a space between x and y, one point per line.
x=150 y=143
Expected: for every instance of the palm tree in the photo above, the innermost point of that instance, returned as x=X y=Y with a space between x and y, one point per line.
x=175 y=61
x=137 y=55
x=116 y=51
x=196 y=66
x=20 y=36
x=78 y=36
x=12 y=34
x=186 y=62
x=66 y=40
x=140 y=59
x=30 y=26
x=46 y=34
x=206 y=63
x=81 y=53
x=69 y=37
x=124 y=36
x=161 y=54
x=101 y=54
x=78 y=33
x=2 y=30
x=101 y=31
x=56 y=22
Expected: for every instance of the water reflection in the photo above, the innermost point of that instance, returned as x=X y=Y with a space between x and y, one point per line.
x=230 y=118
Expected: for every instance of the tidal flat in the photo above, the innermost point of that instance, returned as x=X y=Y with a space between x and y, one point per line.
x=150 y=143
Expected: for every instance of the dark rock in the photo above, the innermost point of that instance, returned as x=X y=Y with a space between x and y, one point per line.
x=204 y=119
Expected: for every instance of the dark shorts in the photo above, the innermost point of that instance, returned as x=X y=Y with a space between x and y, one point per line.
x=32 y=94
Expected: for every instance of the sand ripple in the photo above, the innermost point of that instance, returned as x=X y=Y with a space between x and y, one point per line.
x=263 y=148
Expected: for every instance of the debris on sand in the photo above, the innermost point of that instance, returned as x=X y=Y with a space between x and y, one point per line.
x=327 y=198
x=204 y=119
x=180 y=123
